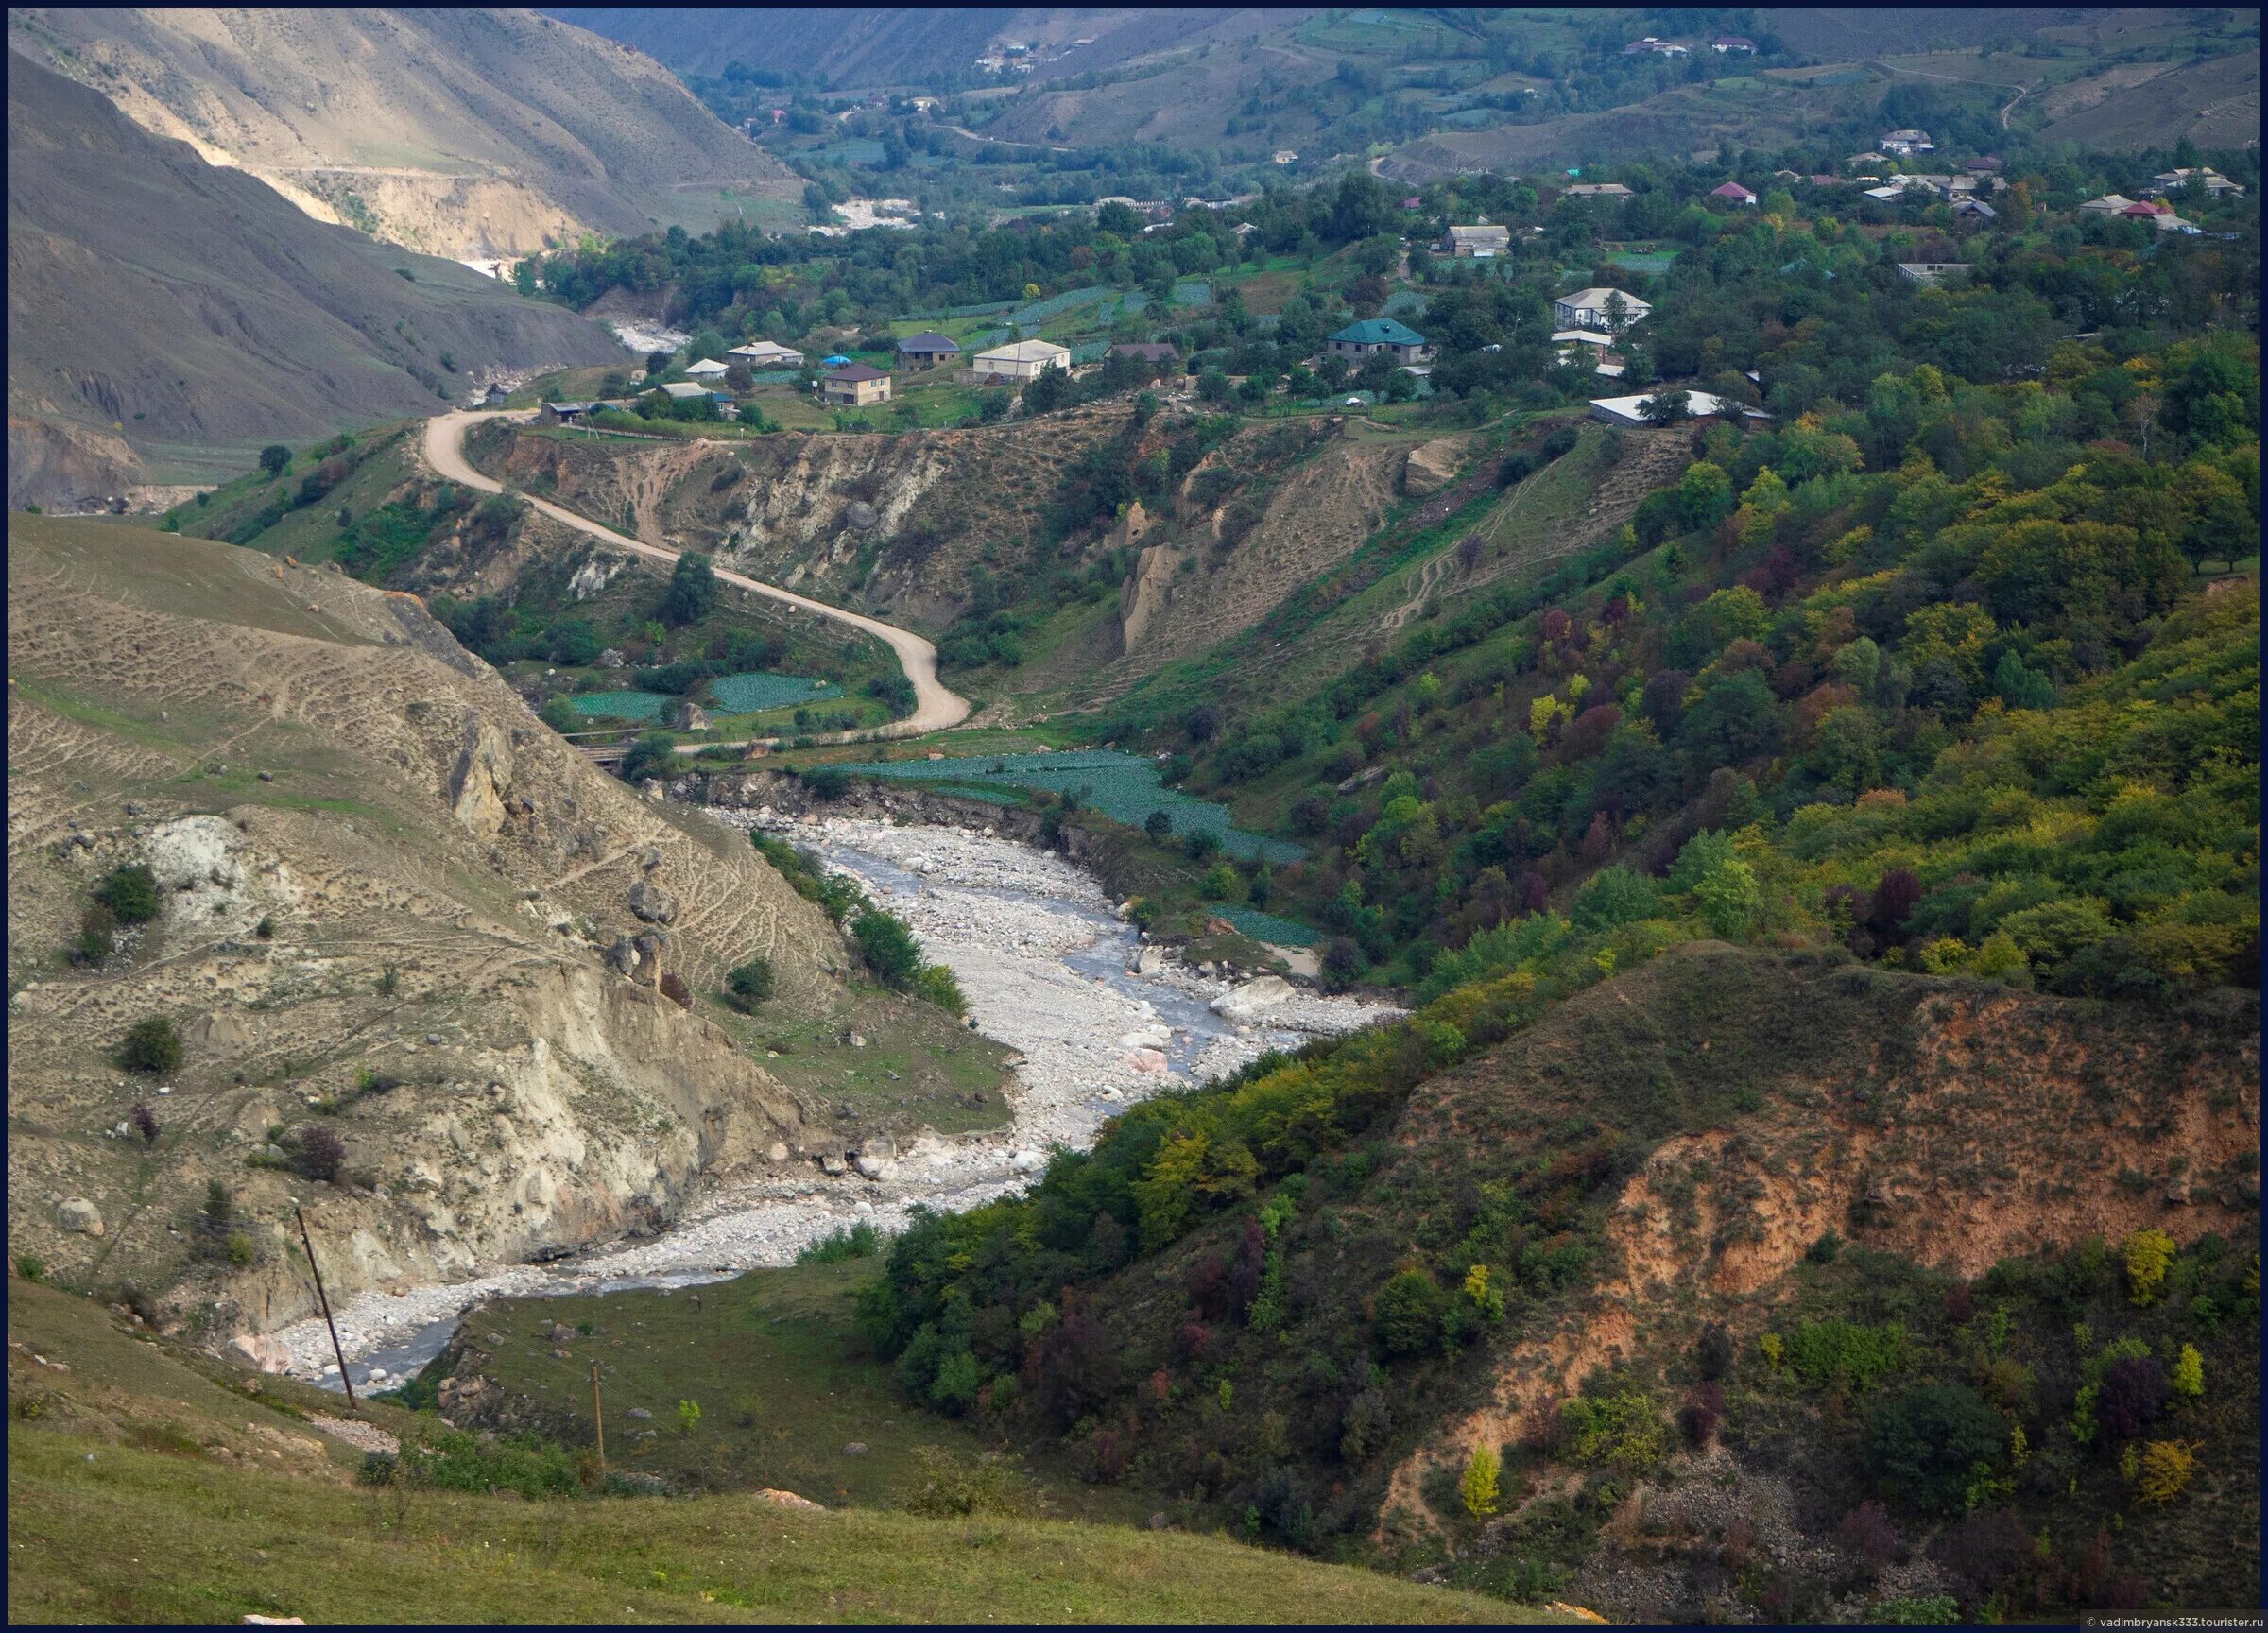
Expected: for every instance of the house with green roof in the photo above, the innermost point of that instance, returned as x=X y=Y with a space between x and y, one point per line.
x=1380 y=336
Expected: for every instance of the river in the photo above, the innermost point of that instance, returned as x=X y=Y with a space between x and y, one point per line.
x=1048 y=968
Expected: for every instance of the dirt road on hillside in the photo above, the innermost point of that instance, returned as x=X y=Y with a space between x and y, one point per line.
x=934 y=706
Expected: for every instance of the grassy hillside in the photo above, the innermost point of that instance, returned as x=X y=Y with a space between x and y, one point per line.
x=145 y=1486
x=478 y=132
x=354 y=897
x=171 y=316
x=1697 y=1250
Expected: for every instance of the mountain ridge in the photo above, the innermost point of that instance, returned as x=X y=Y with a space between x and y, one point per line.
x=248 y=322
x=478 y=134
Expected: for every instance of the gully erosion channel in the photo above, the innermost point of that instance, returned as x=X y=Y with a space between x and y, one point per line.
x=1048 y=968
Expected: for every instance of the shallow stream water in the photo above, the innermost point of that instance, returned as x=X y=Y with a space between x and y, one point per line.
x=1047 y=967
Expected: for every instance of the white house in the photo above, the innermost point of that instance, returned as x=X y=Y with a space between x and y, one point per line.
x=707 y=369
x=1484 y=240
x=2214 y=182
x=1930 y=273
x=767 y=354
x=1021 y=360
x=1699 y=405
x=1587 y=309
x=1905 y=142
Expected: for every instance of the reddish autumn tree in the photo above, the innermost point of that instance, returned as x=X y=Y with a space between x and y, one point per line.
x=1703 y=1411
x=1894 y=901
x=1867 y=1536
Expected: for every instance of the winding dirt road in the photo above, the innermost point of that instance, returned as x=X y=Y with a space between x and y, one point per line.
x=935 y=706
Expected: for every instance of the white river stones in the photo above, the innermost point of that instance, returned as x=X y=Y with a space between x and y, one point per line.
x=1048 y=968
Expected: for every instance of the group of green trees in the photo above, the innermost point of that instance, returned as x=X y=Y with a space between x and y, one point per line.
x=1908 y=656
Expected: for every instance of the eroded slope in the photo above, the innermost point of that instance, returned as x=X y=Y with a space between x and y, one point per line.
x=392 y=907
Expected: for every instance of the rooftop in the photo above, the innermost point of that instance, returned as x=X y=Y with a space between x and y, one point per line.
x=1027 y=351
x=1598 y=298
x=1380 y=331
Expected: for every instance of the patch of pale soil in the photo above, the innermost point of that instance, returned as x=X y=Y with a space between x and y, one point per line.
x=366 y=1437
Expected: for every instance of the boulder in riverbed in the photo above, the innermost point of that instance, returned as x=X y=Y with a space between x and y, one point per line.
x=1260 y=992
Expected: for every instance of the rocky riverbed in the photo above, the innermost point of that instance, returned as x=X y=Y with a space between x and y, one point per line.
x=1048 y=967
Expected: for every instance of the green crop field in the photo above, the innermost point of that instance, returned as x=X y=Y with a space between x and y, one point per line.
x=1122 y=787
x=622 y=705
x=1267 y=926
x=745 y=693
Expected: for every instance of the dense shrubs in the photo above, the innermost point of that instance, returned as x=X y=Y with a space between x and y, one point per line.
x=130 y=893
x=321 y=1152
x=750 y=986
x=1926 y=1440
x=1409 y=1313
x=152 y=1045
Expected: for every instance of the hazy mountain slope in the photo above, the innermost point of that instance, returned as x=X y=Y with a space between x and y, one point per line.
x=390 y=905
x=2213 y=102
x=167 y=316
x=860 y=45
x=1835 y=32
x=471 y=132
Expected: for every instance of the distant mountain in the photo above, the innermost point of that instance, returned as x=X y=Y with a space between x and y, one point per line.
x=471 y=134
x=167 y=316
x=854 y=46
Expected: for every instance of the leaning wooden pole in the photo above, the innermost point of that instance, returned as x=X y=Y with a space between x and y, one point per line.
x=598 y=1414
x=324 y=1299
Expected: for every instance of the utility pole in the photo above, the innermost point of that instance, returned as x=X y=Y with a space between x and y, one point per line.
x=324 y=1299
x=598 y=1413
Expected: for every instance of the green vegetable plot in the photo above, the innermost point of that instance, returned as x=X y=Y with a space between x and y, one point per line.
x=1122 y=787
x=622 y=705
x=745 y=693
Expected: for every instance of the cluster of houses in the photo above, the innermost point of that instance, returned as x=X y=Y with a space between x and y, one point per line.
x=2156 y=210
x=1588 y=325
x=1724 y=44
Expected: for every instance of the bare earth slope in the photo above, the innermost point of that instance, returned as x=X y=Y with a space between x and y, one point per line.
x=472 y=133
x=165 y=317
x=391 y=904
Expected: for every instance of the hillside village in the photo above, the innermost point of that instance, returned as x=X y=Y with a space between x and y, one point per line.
x=1913 y=219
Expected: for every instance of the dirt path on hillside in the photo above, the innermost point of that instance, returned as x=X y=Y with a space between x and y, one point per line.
x=935 y=706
